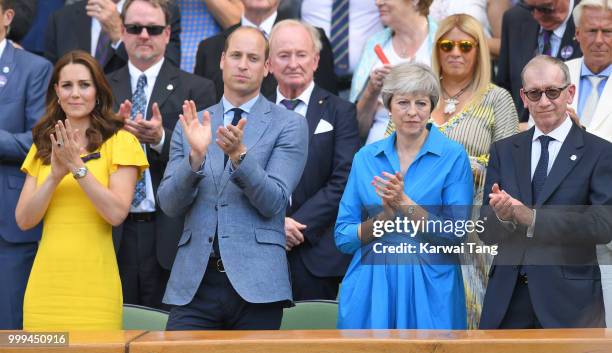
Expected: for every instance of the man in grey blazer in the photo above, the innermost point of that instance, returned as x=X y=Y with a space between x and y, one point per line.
x=24 y=78
x=231 y=269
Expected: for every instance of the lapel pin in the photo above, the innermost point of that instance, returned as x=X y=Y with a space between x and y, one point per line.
x=321 y=101
x=567 y=51
x=5 y=69
x=170 y=87
x=573 y=157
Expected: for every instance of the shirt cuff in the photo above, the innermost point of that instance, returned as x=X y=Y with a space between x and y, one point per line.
x=200 y=170
x=532 y=225
x=160 y=146
x=509 y=225
x=115 y=46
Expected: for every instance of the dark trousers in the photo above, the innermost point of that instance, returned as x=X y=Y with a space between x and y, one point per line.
x=520 y=314
x=16 y=261
x=217 y=306
x=142 y=278
x=306 y=286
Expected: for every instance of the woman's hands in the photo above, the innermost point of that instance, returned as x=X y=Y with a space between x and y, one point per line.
x=390 y=188
x=377 y=77
x=65 y=151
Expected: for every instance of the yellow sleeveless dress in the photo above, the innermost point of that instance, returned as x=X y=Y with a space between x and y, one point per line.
x=74 y=283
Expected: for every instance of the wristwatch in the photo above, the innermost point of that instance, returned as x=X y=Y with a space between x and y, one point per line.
x=240 y=158
x=80 y=173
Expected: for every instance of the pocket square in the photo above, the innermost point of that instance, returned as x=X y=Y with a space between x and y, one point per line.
x=323 y=126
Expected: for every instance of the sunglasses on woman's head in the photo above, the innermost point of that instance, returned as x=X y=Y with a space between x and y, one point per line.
x=151 y=30
x=551 y=93
x=447 y=45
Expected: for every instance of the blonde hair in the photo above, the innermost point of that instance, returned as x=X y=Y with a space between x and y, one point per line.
x=595 y=4
x=469 y=25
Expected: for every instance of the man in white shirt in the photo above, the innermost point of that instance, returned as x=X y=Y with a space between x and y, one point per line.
x=155 y=90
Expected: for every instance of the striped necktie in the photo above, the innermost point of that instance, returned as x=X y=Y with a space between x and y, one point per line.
x=340 y=36
x=139 y=105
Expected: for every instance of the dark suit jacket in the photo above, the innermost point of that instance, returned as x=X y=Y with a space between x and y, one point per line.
x=209 y=56
x=69 y=28
x=172 y=88
x=519 y=44
x=316 y=198
x=25 y=10
x=560 y=259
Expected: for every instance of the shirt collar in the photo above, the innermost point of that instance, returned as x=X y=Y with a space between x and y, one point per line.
x=559 y=31
x=584 y=71
x=2 y=46
x=265 y=26
x=151 y=72
x=304 y=97
x=559 y=134
x=246 y=107
x=433 y=143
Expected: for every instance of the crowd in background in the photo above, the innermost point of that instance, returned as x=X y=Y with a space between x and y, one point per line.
x=220 y=159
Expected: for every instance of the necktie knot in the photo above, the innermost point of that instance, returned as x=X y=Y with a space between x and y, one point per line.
x=544 y=141
x=237 y=115
x=594 y=80
x=142 y=82
x=290 y=104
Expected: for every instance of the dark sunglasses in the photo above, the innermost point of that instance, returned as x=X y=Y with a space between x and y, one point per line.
x=544 y=10
x=151 y=30
x=551 y=93
x=447 y=45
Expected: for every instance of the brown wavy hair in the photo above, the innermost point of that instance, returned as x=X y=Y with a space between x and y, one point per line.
x=104 y=122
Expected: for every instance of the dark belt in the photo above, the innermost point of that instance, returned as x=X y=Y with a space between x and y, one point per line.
x=141 y=216
x=216 y=264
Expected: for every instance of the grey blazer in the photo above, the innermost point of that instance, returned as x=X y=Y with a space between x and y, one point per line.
x=247 y=206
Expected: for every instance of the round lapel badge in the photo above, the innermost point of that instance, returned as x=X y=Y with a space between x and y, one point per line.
x=567 y=51
x=573 y=157
x=170 y=87
x=5 y=69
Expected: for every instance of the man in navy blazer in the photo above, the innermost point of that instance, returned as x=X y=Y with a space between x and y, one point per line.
x=24 y=78
x=549 y=208
x=231 y=269
x=522 y=39
x=317 y=267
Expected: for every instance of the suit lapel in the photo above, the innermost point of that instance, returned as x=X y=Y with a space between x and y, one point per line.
x=258 y=121
x=568 y=42
x=123 y=87
x=568 y=157
x=603 y=111
x=316 y=111
x=522 y=162
x=165 y=84
x=529 y=29
x=215 y=153
x=7 y=67
x=83 y=23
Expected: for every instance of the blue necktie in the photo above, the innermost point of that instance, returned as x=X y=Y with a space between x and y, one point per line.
x=139 y=105
x=102 y=48
x=547 y=45
x=541 y=171
x=339 y=33
x=235 y=120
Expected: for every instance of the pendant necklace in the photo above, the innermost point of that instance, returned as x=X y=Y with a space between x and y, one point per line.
x=451 y=102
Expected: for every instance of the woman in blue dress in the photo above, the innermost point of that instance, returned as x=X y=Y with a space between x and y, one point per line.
x=413 y=175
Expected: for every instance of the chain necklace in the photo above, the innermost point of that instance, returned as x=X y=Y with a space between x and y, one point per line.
x=452 y=101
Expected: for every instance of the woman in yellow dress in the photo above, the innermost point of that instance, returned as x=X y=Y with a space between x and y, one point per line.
x=81 y=174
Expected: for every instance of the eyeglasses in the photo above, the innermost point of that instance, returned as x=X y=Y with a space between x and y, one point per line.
x=551 y=93
x=447 y=45
x=544 y=10
x=151 y=30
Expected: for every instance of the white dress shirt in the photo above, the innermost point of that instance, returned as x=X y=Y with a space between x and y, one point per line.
x=148 y=204
x=364 y=21
x=2 y=46
x=265 y=26
x=559 y=134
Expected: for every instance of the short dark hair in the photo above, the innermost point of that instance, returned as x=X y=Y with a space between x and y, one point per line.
x=7 y=5
x=163 y=4
x=245 y=28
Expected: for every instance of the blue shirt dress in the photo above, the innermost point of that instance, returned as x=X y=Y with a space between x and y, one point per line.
x=390 y=293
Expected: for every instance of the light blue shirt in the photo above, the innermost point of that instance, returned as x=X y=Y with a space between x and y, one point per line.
x=396 y=295
x=228 y=115
x=585 y=84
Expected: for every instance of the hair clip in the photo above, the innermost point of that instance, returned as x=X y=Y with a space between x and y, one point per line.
x=89 y=157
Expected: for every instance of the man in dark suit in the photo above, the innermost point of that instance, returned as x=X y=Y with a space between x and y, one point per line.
x=156 y=89
x=317 y=267
x=549 y=207
x=530 y=28
x=95 y=26
x=262 y=15
x=24 y=78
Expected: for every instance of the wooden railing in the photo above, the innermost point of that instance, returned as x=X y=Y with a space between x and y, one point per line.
x=333 y=341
